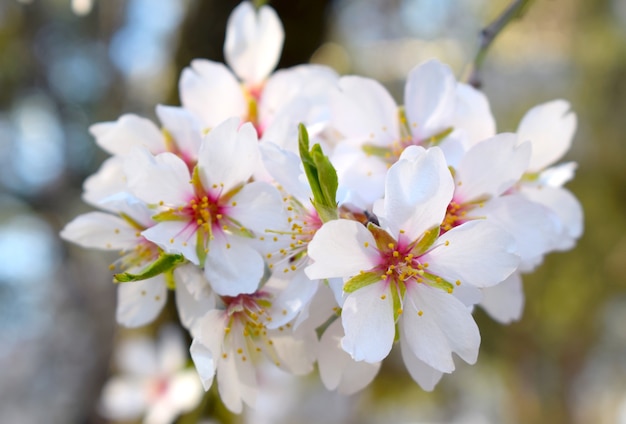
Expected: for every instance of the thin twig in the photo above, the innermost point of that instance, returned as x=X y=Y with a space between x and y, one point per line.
x=488 y=34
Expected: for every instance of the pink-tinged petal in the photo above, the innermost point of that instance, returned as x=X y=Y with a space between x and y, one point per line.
x=128 y=132
x=550 y=128
x=254 y=40
x=363 y=109
x=259 y=207
x=295 y=354
x=140 y=302
x=568 y=209
x=100 y=230
x=204 y=361
x=491 y=167
x=123 y=398
x=106 y=182
x=504 y=302
x=426 y=376
x=229 y=155
x=534 y=226
x=472 y=114
x=210 y=91
x=233 y=267
x=417 y=193
x=478 y=253
x=183 y=127
x=155 y=179
x=175 y=237
x=338 y=370
x=436 y=324
x=367 y=318
x=341 y=248
x=429 y=99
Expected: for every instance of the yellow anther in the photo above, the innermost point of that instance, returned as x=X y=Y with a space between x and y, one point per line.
x=243 y=358
x=399 y=311
x=420 y=313
x=391 y=245
x=234 y=204
x=224 y=355
x=240 y=351
x=111 y=267
x=458 y=283
x=228 y=245
x=447 y=243
x=227 y=330
x=383 y=296
x=450 y=290
x=172 y=241
x=366 y=244
x=161 y=203
x=396 y=254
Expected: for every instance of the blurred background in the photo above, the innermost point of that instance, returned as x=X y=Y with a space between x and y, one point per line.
x=65 y=65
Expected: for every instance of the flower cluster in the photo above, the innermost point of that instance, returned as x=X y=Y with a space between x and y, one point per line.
x=301 y=217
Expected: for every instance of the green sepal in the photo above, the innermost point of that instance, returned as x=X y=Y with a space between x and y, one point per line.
x=382 y=237
x=169 y=215
x=530 y=177
x=397 y=303
x=197 y=182
x=131 y=221
x=201 y=243
x=362 y=280
x=438 y=138
x=439 y=283
x=321 y=175
x=378 y=151
x=427 y=239
x=164 y=263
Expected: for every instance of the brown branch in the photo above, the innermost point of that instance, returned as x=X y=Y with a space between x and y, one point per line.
x=488 y=34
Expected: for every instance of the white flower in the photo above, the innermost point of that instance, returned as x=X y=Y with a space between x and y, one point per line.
x=406 y=272
x=153 y=383
x=274 y=104
x=236 y=336
x=210 y=216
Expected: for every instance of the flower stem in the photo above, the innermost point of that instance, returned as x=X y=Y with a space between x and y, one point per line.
x=488 y=34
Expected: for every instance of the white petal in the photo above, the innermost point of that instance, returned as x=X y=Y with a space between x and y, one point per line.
x=233 y=267
x=285 y=167
x=190 y=308
x=337 y=369
x=101 y=231
x=534 y=226
x=424 y=375
x=155 y=179
x=140 y=302
x=229 y=155
x=185 y=391
x=259 y=207
x=429 y=99
x=362 y=108
x=472 y=114
x=211 y=92
x=204 y=361
x=417 y=193
x=557 y=176
x=504 y=302
x=491 y=167
x=129 y=131
x=550 y=128
x=253 y=42
x=367 y=318
x=107 y=181
x=566 y=207
x=445 y=326
x=175 y=237
x=184 y=128
x=338 y=249
x=296 y=354
x=477 y=253
x=292 y=299
x=236 y=380
x=123 y=398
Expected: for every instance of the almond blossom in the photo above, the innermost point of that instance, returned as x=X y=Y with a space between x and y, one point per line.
x=404 y=272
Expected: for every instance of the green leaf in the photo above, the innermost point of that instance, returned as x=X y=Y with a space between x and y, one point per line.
x=163 y=263
x=321 y=175
x=360 y=281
